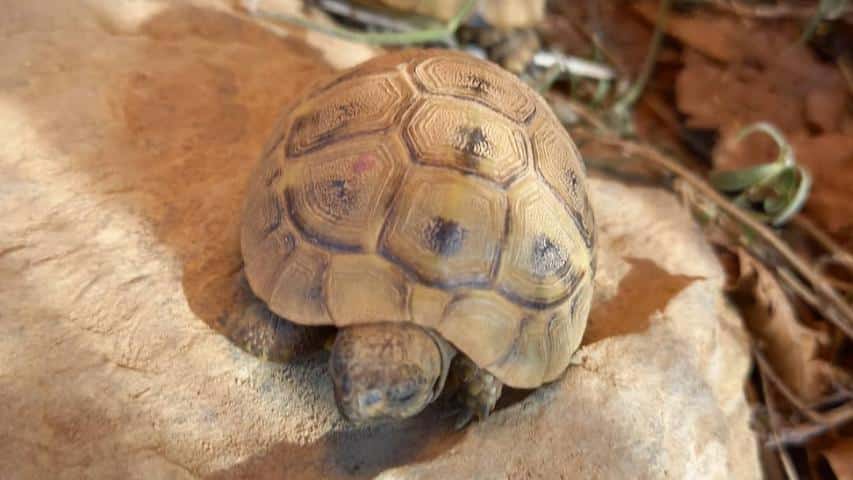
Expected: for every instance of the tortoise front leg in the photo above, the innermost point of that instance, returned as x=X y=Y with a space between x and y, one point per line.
x=250 y=325
x=476 y=389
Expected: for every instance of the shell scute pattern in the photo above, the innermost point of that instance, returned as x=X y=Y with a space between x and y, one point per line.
x=468 y=137
x=544 y=256
x=454 y=75
x=344 y=192
x=432 y=188
x=357 y=105
x=446 y=228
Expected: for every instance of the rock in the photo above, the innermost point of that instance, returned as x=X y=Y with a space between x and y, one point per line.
x=127 y=138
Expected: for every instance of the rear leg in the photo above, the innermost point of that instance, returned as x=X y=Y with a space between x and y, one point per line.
x=250 y=325
x=474 y=388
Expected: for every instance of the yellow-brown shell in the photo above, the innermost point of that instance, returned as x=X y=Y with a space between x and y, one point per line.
x=434 y=188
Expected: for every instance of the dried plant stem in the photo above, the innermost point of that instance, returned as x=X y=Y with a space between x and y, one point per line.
x=797 y=286
x=633 y=94
x=775 y=422
x=439 y=33
x=801 y=434
x=767 y=371
x=828 y=243
x=831 y=304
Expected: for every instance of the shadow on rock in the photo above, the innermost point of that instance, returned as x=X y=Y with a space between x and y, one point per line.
x=353 y=454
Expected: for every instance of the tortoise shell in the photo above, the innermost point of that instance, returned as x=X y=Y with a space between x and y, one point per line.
x=428 y=187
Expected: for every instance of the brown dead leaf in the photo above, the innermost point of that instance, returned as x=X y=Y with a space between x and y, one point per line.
x=840 y=458
x=791 y=347
x=646 y=289
x=729 y=98
x=716 y=36
x=624 y=35
x=829 y=158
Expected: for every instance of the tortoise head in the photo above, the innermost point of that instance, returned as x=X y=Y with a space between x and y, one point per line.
x=385 y=371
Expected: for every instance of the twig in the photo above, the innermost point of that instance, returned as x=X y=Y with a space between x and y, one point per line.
x=828 y=243
x=801 y=434
x=367 y=17
x=787 y=464
x=631 y=96
x=845 y=64
x=380 y=38
x=836 y=397
x=766 y=369
x=573 y=65
x=797 y=286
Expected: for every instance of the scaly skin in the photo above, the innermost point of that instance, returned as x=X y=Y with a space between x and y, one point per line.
x=476 y=389
x=385 y=371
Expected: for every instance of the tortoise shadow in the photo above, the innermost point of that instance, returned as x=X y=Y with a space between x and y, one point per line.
x=353 y=454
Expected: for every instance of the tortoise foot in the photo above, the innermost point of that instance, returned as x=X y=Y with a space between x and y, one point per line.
x=250 y=325
x=477 y=390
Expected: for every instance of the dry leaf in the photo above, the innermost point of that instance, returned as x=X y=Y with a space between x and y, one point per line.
x=646 y=289
x=829 y=158
x=624 y=36
x=791 y=347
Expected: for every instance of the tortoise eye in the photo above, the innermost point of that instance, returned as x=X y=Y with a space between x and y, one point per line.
x=404 y=392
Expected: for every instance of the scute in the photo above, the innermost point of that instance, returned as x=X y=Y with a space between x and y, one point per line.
x=544 y=257
x=357 y=105
x=468 y=137
x=342 y=193
x=446 y=228
x=560 y=164
x=456 y=75
x=482 y=324
x=299 y=293
x=366 y=289
x=545 y=343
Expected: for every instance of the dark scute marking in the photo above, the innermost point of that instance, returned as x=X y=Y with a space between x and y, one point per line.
x=338 y=197
x=473 y=145
x=583 y=217
x=572 y=182
x=315 y=293
x=546 y=257
x=584 y=221
x=310 y=236
x=477 y=84
x=443 y=236
x=344 y=113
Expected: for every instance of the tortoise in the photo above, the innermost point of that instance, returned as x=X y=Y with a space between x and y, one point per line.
x=431 y=207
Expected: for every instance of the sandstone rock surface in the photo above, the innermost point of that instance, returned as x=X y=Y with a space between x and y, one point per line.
x=127 y=131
